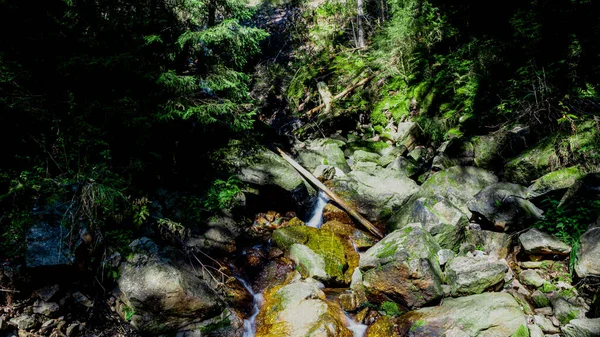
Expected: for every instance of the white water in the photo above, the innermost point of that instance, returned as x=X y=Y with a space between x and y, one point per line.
x=250 y=322
x=316 y=220
x=357 y=329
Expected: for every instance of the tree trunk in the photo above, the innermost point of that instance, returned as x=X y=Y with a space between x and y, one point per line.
x=212 y=12
x=361 y=28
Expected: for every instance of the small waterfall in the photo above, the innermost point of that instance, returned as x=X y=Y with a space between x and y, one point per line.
x=357 y=329
x=250 y=323
x=316 y=220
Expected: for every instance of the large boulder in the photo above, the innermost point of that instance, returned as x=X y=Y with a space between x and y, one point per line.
x=536 y=242
x=559 y=180
x=403 y=268
x=46 y=247
x=504 y=205
x=588 y=255
x=275 y=179
x=438 y=216
x=299 y=309
x=158 y=295
x=457 y=184
x=319 y=253
x=376 y=193
x=473 y=275
x=483 y=315
x=583 y=327
x=532 y=163
x=323 y=152
x=490 y=150
x=494 y=244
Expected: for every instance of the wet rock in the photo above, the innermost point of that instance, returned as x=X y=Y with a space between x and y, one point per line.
x=359 y=239
x=473 y=275
x=382 y=327
x=45 y=246
x=531 y=278
x=559 y=180
x=495 y=244
x=331 y=212
x=487 y=314
x=588 y=256
x=583 y=327
x=227 y=324
x=403 y=268
x=323 y=152
x=49 y=309
x=219 y=235
x=458 y=185
x=308 y=263
x=536 y=242
x=437 y=215
x=157 y=295
x=299 y=309
x=504 y=205
x=375 y=193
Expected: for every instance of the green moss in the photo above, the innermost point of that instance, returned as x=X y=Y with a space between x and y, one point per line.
x=522 y=331
x=390 y=309
x=417 y=324
x=571 y=315
x=540 y=301
x=388 y=250
x=548 y=287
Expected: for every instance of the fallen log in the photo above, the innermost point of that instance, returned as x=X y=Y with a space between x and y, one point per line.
x=345 y=92
x=330 y=194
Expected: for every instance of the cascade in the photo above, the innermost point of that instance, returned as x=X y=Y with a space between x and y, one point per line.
x=316 y=219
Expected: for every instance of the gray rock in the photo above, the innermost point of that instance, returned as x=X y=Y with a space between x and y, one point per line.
x=545 y=324
x=531 y=278
x=364 y=156
x=583 y=327
x=588 y=256
x=310 y=263
x=531 y=264
x=535 y=331
x=540 y=300
x=47 y=293
x=545 y=311
x=404 y=166
x=487 y=314
x=49 y=309
x=403 y=268
x=375 y=193
x=158 y=296
x=495 y=244
x=554 y=181
x=442 y=162
x=219 y=235
x=82 y=299
x=504 y=205
x=24 y=322
x=437 y=215
x=566 y=310
x=535 y=241
x=45 y=246
x=445 y=255
x=458 y=185
x=474 y=275
x=327 y=172
x=323 y=152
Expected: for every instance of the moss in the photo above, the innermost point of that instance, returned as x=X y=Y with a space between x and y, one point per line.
x=419 y=323
x=571 y=315
x=388 y=250
x=522 y=331
x=540 y=301
x=390 y=309
x=548 y=287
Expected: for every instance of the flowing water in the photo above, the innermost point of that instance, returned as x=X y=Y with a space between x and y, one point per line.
x=250 y=322
x=357 y=329
x=316 y=219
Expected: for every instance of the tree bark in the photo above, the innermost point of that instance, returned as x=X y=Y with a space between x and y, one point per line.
x=331 y=195
x=361 y=29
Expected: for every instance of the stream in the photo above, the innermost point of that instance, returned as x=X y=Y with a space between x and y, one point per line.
x=316 y=220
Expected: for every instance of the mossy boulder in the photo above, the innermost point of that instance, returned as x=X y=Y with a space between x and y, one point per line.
x=323 y=152
x=382 y=327
x=438 y=216
x=491 y=149
x=504 y=205
x=473 y=275
x=403 y=268
x=404 y=166
x=495 y=244
x=457 y=184
x=375 y=192
x=364 y=156
x=337 y=254
x=588 y=255
x=582 y=327
x=487 y=314
x=360 y=239
x=532 y=163
x=379 y=147
x=559 y=180
x=299 y=309
x=536 y=242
